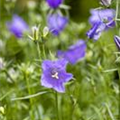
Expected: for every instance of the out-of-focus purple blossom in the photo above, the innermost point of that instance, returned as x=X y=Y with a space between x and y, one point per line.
x=17 y=26
x=56 y=23
x=95 y=31
x=117 y=41
x=105 y=16
x=54 y=3
x=74 y=53
x=55 y=75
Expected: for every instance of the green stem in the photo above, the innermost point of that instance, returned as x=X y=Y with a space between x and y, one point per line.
x=38 y=49
x=43 y=51
x=29 y=92
x=109 y=112
x=117 y=11
x=57 y=108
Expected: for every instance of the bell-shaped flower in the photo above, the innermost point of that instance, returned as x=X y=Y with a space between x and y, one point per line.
x=54 y=3
x=56 y=23
x=74 y=53
x=105 y=16
x=54 y=74
x=95 y=32
x=17 y=26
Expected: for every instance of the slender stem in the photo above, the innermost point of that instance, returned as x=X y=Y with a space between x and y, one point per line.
x=38 y=49
x=29 y=92
x=117 y=10
x=57 y=108
x=40 y=59
x=43 y=51
x=109 y=111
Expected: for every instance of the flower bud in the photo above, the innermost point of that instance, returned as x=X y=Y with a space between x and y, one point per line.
x=35 y=32
x=45 y=31
x=106 y=3
x=117 y=41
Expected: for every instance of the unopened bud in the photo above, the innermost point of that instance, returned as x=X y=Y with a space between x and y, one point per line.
x=106 y=3
x=45 y=31
x=2 y=110
x=35 y=31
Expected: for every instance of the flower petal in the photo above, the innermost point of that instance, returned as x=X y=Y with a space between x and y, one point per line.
x=59 y=88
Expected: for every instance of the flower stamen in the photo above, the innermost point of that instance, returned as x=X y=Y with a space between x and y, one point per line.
x=55 y=75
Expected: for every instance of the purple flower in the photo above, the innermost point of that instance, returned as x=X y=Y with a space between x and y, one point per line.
x=17 y=26
x=74 y=53
x=117 y=41
x=100 y=20
x=95 y=31
x=55 y=75
x=56 y=23
x=105 y=16
x=54 y=3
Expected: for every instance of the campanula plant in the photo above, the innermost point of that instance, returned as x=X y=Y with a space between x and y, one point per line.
x=54 y=3
x=54 y=74
x=56 y=23
x=60 y=77
x=17 y=26
x=105 y=16
x=95 y=31
x=100 y=20
x=74 y=53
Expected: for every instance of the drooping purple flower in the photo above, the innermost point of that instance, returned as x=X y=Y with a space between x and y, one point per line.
x=105 y=16
x=100 y=20
x=55 y=75
x=54 y=3
x=95 y=31
x=117 y=41
x=74 y=53
x=56 y=23
x=17 y=26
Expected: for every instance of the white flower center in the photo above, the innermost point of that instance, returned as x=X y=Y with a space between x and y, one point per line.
x=55 y=75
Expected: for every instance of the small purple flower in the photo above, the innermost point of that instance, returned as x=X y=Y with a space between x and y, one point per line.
x=54 y=3
x=74 y=53
x=95 y=31
x=56 y=23
x=105 y=16
x=117 y=41
x=17 y=26
x=55 y=75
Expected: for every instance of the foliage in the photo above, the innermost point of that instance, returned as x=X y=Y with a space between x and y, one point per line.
x=93 y=93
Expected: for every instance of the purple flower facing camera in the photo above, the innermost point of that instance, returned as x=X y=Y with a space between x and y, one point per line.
x=54 y=3
x=56 y=23
x=17 y=26
x=55 y=75
x=117 y=41
x=74 y=53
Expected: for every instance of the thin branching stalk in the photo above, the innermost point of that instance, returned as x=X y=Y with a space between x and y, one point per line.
x=29 y=92
x=57 y=105
x=38 y=50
